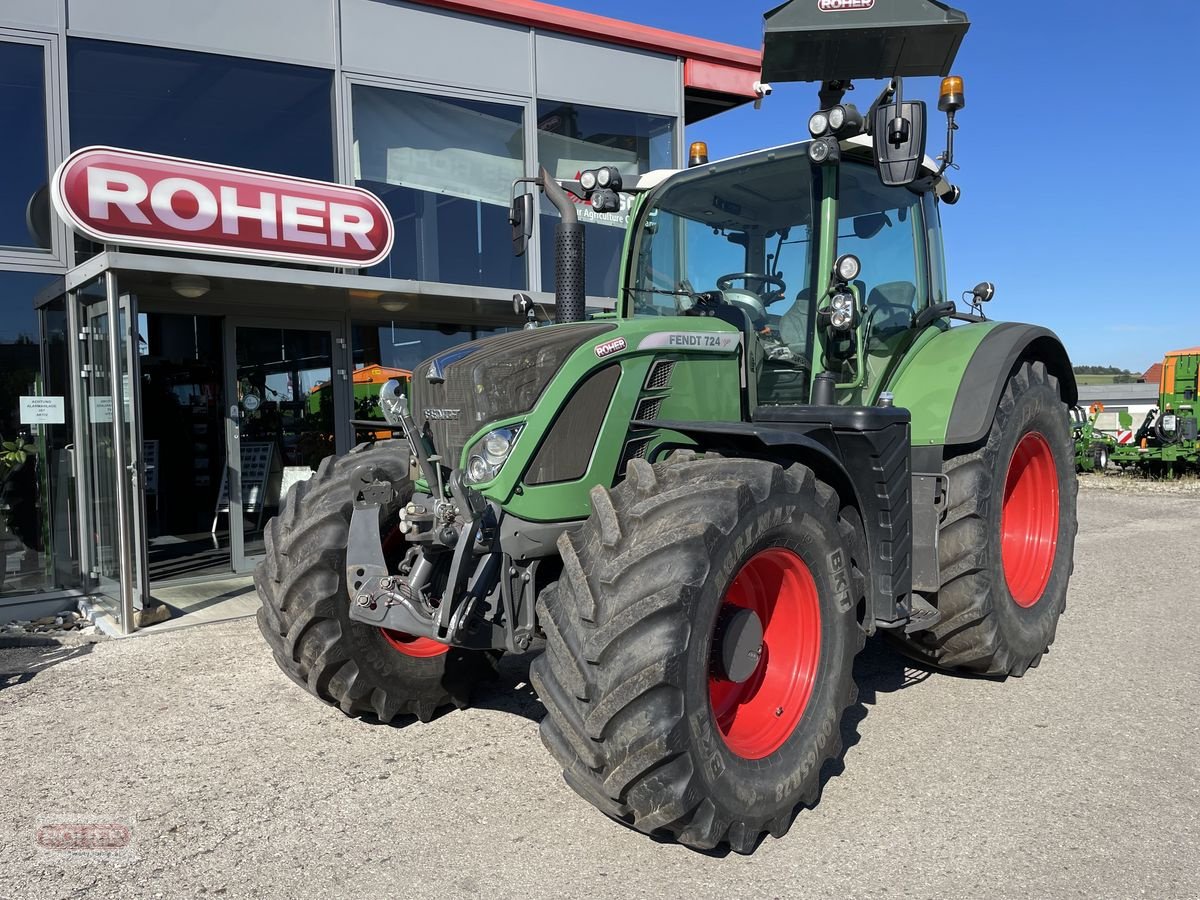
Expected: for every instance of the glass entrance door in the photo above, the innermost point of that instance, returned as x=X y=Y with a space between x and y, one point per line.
x=111 y=463
x=286 y=405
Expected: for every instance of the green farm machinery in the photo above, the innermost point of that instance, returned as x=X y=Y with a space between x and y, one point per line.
x=1167 y=443
x=1093 y=448
x=693 y=511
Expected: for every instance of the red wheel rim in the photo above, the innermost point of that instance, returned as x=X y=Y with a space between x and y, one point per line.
x=757 y=716
x=1029 y=520
x=420 y=648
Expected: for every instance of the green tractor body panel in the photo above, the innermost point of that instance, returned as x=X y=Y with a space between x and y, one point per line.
x=704 y=384
x=927 y=381
x=952 y=381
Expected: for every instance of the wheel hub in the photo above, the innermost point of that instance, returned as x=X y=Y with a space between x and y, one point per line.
x=764 y=653
x=1029 y=520
x=741 y=645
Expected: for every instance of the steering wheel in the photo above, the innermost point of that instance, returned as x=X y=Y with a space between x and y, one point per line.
x=753 y=303
x=725 y=282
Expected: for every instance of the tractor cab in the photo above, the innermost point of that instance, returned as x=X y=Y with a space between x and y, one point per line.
x=740 y=240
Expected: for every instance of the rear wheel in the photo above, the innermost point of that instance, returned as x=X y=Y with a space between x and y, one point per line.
x=1006 y=545
x=305 y=612
x=700 y=646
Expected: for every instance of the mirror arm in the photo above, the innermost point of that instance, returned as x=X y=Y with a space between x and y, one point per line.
x=884 y=97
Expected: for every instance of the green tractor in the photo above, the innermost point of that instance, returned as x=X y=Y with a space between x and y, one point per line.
x=695 y=510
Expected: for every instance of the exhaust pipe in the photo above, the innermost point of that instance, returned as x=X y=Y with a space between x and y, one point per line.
x=569 y=256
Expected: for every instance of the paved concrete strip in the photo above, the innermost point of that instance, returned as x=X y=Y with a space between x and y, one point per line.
x=1080 y=780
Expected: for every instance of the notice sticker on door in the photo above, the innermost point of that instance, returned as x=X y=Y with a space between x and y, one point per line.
x=43 y=411
x=100 y=410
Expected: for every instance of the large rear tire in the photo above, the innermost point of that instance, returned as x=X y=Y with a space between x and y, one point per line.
x=305 y=612
x=649 y=718
x=1007 y=542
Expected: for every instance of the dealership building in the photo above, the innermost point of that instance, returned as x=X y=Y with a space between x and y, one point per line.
x=158 y=398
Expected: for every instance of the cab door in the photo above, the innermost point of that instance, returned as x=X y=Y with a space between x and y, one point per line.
x=886 y=228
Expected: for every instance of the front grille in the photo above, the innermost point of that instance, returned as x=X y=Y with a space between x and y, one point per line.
x=660 y=375
x=489 y=380
x=567 y=450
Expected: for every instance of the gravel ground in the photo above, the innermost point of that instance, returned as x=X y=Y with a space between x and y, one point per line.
x=1080 y=780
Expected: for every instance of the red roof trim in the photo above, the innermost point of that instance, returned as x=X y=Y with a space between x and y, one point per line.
x=534 y=14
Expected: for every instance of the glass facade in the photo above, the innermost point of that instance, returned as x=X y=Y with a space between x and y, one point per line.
x=26 y=167
x=572 y=138
x=223 y=109
x=444 y=167
x=441 y=157
x=36 y=484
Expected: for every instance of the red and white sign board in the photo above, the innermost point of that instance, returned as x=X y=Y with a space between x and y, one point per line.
x=144 y=200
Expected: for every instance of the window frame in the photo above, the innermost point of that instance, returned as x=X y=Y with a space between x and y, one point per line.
x=678 y=136
x=527 y=105
x=54 y=259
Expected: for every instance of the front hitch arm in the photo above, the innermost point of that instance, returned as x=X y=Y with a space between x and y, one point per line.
x=374 y=595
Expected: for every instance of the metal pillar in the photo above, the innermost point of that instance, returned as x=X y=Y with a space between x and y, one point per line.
x=120 y=452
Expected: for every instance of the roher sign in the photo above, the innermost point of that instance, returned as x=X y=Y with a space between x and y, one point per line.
x=137 y=199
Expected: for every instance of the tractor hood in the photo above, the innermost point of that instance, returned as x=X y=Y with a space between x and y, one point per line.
x=830 y=40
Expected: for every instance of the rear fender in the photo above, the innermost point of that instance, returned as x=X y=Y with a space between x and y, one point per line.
x=952 y=383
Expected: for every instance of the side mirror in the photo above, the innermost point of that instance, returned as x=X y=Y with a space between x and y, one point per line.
x=899 y=131
x=521 y=219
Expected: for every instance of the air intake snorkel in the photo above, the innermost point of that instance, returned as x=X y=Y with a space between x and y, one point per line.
x=569 y=255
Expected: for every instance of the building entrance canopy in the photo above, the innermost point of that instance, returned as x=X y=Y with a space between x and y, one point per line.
x=202 y=389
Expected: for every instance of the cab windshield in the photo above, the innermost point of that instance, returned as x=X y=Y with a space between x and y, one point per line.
x=743 y=237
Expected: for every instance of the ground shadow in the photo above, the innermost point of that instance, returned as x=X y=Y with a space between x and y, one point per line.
x=21 y=659
x=511 y=691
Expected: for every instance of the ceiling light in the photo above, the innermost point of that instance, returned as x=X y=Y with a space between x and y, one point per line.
x=191 y=286
x=393 y=302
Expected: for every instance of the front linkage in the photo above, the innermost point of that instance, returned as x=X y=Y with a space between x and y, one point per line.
x=455 y=584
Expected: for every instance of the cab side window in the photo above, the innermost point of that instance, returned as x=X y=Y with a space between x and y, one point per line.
x=884 y=227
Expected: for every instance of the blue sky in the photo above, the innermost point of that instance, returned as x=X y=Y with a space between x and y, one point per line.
x=1078 y=200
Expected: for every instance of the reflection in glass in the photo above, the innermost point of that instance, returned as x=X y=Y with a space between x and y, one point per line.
x=35 y=484
x=286 y=398
x=26 y=170
x=223 y=109
x=444 y=167
x=394 y=350
x=572 y=138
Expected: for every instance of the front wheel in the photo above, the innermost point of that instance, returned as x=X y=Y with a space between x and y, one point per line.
x=1006 y=544
x=700 y=647
x=305 y=612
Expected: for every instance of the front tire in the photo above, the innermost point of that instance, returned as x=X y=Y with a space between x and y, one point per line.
x=1007 y=543
x=305 y=612
x=650 y=721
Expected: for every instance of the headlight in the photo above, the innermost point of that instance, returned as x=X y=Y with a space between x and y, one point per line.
x=837 y=118
x=818 y=124
x=489 y=454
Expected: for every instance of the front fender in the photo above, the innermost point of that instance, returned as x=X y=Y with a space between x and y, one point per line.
x=952 y=383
